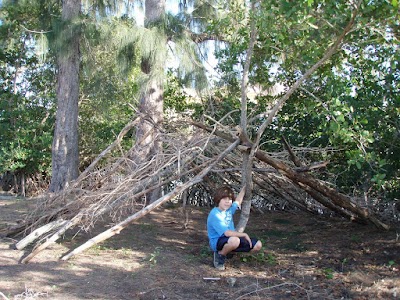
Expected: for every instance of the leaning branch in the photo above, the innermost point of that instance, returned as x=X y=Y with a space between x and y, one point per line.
x=307 y=74
x=179 y=189
x=307 y=180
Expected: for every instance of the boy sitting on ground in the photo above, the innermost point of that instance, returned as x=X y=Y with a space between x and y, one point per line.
x=223 y=237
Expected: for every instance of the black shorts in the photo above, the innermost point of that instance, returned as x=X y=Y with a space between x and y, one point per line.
x=244 y=245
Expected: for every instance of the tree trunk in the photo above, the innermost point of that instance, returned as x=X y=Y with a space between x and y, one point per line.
x=65 y=152
x=247 y=179
x=151 y=101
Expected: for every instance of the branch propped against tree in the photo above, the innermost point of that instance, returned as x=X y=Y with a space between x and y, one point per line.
x=177 y=190
x=339 y=200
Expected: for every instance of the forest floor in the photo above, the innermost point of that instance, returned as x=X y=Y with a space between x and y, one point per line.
x=305 y=257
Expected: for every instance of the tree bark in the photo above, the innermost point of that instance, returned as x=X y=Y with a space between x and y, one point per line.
x=151 y=104
x=65 y=152
x=247 y=179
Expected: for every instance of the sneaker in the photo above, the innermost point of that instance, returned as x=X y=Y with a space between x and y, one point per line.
x=219 y=261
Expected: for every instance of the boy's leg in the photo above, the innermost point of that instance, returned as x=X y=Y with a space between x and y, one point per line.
x=244 y=245
x=225 y=245
x=231 y=245
x=257 y=246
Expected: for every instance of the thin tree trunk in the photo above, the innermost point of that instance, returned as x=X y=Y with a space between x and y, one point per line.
x=247 y=179
x=65 y=152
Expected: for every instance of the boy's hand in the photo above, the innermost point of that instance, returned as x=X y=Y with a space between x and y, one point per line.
x=246 y=236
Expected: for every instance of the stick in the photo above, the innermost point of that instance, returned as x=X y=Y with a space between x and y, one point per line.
x=38 y=233
x=52 y=239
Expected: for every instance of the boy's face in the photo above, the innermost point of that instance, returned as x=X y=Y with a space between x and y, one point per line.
x=225 y=203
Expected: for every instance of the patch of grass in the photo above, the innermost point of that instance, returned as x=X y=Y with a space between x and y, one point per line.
x=126 y=251
x=328 y=272
x=282 y=221
x=260 y=257
x=205 y=251
x=197 y=254
x=295 y=245
x=153 y=257
x=95 y=250
x=355 y=238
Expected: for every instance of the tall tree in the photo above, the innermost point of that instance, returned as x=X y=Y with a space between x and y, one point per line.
x=151 y=103
x=65 y=151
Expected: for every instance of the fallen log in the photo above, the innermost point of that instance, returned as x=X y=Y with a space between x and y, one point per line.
x=52 y=239
x=337 y=198
x=39 y=232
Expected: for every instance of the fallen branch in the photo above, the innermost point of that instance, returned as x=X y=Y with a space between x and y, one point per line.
x=179 y=189
x=338 y=199
x=52 y=239
x=38 y=233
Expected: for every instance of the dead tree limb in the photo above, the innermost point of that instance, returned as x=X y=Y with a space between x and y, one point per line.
x=179 y=189
x=292 y=155
x=37 y=233
x=336 y=197
x=52 y=239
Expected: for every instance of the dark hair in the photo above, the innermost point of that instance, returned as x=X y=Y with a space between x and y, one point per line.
x=222 y=192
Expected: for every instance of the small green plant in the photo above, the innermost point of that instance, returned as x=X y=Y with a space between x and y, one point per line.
x=260 y=257
x=126 y=251
x=154 y=256
x=344 y=261
x=295 y=245
x=355 y=238
x=271 y=259
x=204 y=251
x=391 y=263
x=328 y=272
x=98 y=248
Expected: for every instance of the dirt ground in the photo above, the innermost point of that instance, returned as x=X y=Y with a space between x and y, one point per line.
x=304 y=257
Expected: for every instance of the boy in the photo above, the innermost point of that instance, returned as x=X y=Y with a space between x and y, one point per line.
x=223 y=237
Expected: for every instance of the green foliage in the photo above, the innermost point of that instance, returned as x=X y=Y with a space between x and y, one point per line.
x=348 y=108
x=27 y=100
x=177 y=100
x=153 y=257
x=108 y=87
x=260 y=257
x=328 y=272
